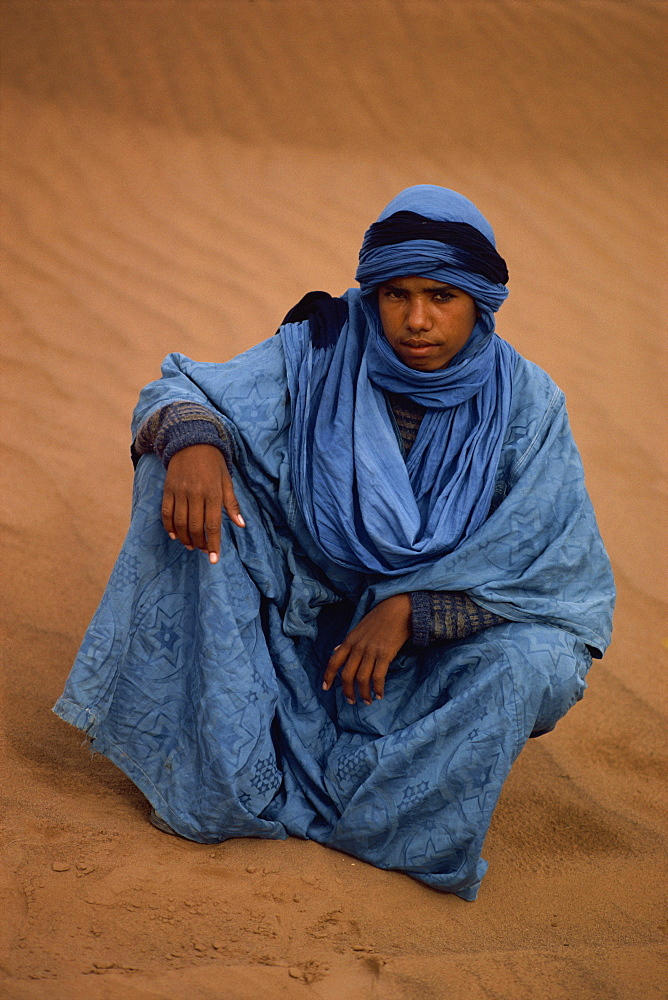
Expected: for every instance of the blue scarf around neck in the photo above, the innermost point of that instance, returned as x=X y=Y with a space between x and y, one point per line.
x=368 y=508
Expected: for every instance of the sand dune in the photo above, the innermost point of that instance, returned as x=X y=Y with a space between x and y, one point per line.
x=174 y=177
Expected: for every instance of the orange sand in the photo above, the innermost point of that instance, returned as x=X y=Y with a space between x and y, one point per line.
x=175 y=176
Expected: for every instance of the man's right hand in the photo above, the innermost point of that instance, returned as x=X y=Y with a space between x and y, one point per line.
x=197 y=487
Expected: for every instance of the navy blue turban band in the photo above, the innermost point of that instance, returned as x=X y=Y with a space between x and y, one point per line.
x=466 y=246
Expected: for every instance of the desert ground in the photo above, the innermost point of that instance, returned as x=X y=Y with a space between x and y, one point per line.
x=175 y=175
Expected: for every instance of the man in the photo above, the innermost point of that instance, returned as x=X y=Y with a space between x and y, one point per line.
x=408 y=584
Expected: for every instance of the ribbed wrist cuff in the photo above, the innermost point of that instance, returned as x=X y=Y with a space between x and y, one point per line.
x=421 y=616
x=186 y=433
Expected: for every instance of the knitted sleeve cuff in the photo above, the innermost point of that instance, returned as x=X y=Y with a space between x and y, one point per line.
x=446 y=615
x=421 y=617
x=180 y=425
x=189 y=432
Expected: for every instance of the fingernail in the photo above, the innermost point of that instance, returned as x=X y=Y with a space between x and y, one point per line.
x=172 y=536
x=351 y=701
x=191 y=548
x=325 y=687
x=213 y=558
x=240 y=521
x=366 y=702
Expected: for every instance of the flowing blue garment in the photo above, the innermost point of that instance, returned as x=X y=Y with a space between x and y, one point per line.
x=341 y=450
x=203 y=683
x=343 y=453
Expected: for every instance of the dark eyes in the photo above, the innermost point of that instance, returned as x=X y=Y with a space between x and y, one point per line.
x=399 y=293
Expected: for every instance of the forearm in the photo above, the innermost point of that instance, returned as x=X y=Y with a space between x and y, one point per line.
x=180 y=425
x=445 y=615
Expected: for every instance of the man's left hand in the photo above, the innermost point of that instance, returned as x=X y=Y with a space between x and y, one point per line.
x=366 y=652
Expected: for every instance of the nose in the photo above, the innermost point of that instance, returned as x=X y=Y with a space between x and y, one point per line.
x=417 y=316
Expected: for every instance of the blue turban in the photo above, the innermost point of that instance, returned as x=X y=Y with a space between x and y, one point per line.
x=463 y=253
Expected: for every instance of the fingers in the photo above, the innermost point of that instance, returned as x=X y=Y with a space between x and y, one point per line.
x=230 y=501
x=168 y=512
x=379 y=674
x=336 y=661
x=363 y=669
x=348 y=675
x=196 y=522
x=370 y=678
x=212 y=519
x=182 y=521
x=197 y=486
x=365 y=655
x=363 y=676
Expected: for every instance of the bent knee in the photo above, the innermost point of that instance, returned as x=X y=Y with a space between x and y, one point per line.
x=550 y=670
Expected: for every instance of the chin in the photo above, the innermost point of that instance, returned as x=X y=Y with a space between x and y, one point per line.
x=423 y=366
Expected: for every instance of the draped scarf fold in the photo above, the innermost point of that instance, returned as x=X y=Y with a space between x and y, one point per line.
x=368 y=508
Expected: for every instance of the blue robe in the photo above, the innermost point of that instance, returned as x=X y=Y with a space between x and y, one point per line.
x=203 y=682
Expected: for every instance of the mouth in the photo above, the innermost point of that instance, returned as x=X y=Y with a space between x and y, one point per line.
x=418 y=346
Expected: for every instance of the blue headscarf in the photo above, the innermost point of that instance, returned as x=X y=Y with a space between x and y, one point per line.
x=368 y=509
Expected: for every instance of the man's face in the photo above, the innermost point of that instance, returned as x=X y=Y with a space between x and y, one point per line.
x=426 y=322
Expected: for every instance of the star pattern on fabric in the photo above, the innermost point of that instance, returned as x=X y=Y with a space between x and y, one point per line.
x=479 y=783
x=266 y=776
x=126 y=569
x=165 y=633
x=352 y=766
x=413 y=793
x=258 y=683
